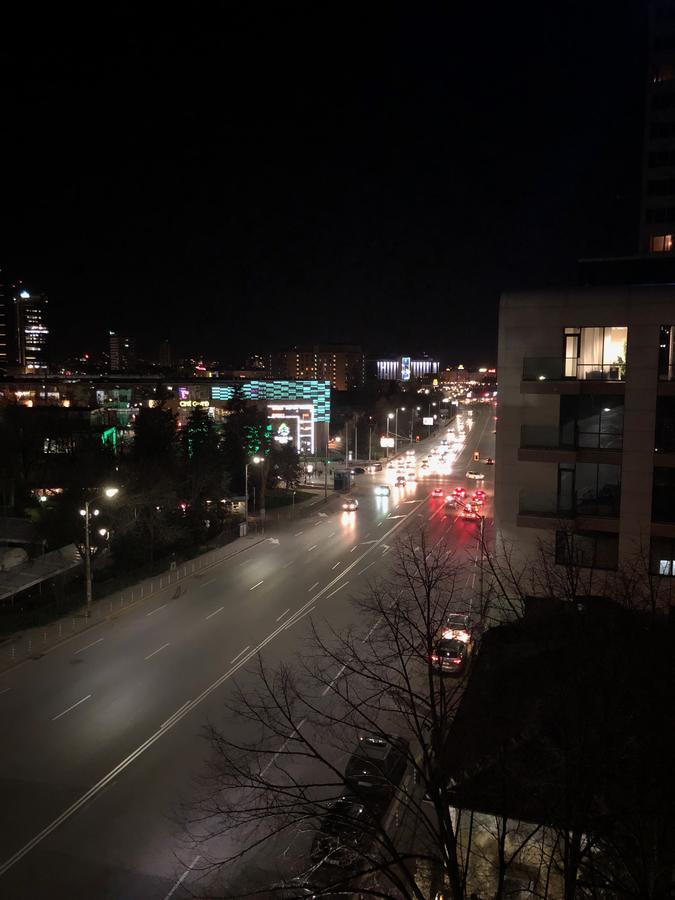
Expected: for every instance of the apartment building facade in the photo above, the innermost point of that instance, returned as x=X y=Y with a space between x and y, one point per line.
x=586 y=428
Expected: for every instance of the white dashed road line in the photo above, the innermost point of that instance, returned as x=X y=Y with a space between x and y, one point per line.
x=257 y=584
x=215 y=612
x=71 y=707
x=87 y=646
x=241 y=653
x=155 y=652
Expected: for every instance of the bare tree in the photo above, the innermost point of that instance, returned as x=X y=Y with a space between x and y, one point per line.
x=378 y=680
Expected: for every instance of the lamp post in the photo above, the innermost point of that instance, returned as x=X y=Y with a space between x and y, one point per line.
x=390 y=416
x=256 y=460
x=87 y=512
x=412 y=420
x=370 y=439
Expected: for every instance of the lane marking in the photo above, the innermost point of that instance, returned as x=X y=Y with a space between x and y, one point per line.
x=313 y=547
x=4 y=690
x=214 y=613
x=316 y=584
x=282 y=748
x=177 y=713
x=257 y=584
x=210 y=581
x=290 y=623
x=93 y=644
x=71 y=707
x=286 y=565
x=283 y=613
x=332 y=534
x=337 y=564
x=103 y=782
x=182 y=878
x=155 y=652
x=329 y=686
x=332 y=594
x=298 y=533
x=241 y=653
x=153 y=611
x=367 y=567
x=246 y=562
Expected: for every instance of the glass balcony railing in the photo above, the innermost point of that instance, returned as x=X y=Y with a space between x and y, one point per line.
x=543 y=504
x=558 y=368
x=548 y=437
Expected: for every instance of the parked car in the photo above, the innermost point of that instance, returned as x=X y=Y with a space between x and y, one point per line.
x=358 y=470
x=350 y=504
x=473 y=473
x=345 y=831
x=377 y=765
x=450 y=656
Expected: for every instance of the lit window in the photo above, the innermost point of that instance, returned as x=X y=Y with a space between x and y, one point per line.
x=666 y=566
x=661 y=243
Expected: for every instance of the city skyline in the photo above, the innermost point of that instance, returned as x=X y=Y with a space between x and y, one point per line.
x=408 y=188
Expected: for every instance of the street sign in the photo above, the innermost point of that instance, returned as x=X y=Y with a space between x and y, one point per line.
x=386 y=442
x=428 y=420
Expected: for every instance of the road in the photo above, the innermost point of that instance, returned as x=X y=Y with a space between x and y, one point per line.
x=103 y=736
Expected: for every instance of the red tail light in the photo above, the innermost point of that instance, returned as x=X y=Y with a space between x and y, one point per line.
x=434 y=658
x=455 y=662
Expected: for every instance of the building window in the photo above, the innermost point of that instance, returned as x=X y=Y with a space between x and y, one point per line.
x=661 y=243
x=663 y=494
x=587 y=549
x=662 y=130
x=663 y=72
x=662 y=557
x=591 y=421
x=589 y=489
x=596 y=352
x=664 y=438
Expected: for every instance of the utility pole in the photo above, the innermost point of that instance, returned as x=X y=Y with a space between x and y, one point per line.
x=325 y=469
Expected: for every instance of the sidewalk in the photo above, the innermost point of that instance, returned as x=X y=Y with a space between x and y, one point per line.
x=32 y=643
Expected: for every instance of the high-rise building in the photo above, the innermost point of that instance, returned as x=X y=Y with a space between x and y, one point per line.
x=657 y=221
x=165 y=356
x=30 y=329
x=586 y=431
x=4 y=332
x=341 y=364
x=122 y=352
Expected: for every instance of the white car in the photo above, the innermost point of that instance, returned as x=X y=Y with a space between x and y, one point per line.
x=350 y=504
x=477 y=476
x=382 y=490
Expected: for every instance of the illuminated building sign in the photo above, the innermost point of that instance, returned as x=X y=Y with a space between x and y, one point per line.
x=293 y=393
x=194 y=403
x=283 y=435
x=405 y=368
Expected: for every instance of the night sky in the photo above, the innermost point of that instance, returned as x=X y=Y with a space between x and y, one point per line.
x=240 y=176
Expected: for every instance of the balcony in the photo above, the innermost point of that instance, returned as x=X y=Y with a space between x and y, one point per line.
x=545 y=510
x=559 y=368
x=544 y=443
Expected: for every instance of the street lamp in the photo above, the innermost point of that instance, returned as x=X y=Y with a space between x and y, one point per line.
x=256 y=460
x=108 y=492
x=390 y=416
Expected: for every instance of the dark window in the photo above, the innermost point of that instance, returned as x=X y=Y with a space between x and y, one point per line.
x=662 y=556
x=663 y=100
x=591 y=421
x=664 y=42
x=663 y=495
x=661 y=187
x=589 y=489
x=664 y=440
x=660 y=214
x=587 y=549
x=658 y=158
x=662 y=129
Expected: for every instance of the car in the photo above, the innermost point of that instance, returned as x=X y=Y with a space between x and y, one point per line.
x=409 y=452
x=411 y=477
x=479 y=492
x=450 y=500
x=469 y=512
x=382 y=490
x=358 y=470
x=375 y=467
x=450 y=656
x=350 y=504
x=489 y=461
x=391 y=466
x=400 y=481
x=437 y=492
x=345 y=831
x=458 y=626
x=477 y=500
x=460 y=492
x=474 y=474
x=377 y=766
